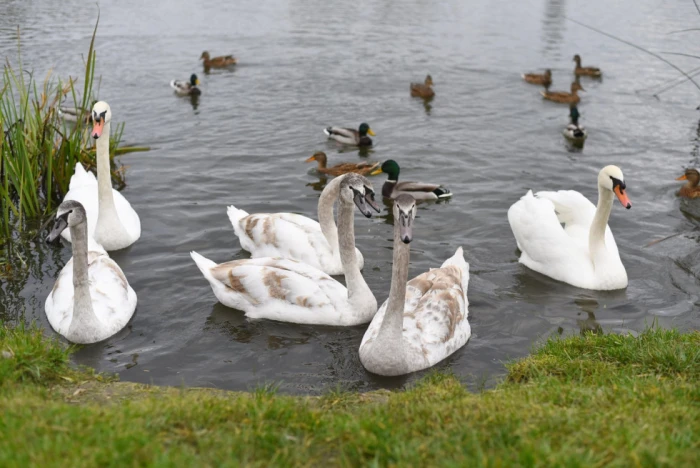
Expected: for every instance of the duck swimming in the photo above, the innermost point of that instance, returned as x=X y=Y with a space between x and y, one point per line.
x=690 y=189
x=562 y=96
x=362 y=168
x=186 y=88
x=593 y=72
x=423 y=90
x=542 y=79
x=348 y=136
x=392 y=188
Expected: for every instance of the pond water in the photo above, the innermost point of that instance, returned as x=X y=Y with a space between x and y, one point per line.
x=487 y=136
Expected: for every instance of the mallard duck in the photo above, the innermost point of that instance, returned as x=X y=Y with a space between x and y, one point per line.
x=585 y=71
x=392 y=188
x=582 y=252
x=562 y=96
x=363 y=168
x=348 y=136
x=290 y=291
x=574 y=131
x=296 y=237
x=92 y=299
x=72 y=114
x=110 y=218
x=186 y=88
x=542 y=79
x=217 y=62
x=690 y=189
x=424 y=320
x=423 y=90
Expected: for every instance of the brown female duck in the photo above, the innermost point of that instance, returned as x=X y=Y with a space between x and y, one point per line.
x=362 y=168
x=585 y=71
x=217 y=62
x=690 y=189
x=423 y=90
x=542 y=79
x=564 y=97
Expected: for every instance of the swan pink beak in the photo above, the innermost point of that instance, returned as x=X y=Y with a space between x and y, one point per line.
x=97 y=128
x=622 y=197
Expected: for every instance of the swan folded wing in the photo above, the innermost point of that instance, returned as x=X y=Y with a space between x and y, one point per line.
x=416 y=187
x=576 y=212
x=286 y=235
x=113 y=299
x=81 y=177
x=544 y=244
x=435 y=313
x=281 y=289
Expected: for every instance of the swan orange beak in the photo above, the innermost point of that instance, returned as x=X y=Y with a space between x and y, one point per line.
x=683 y=177
x=97 y=128
x=622 y=197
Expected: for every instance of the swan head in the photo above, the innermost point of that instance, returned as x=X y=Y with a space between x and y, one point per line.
x=353 y=189
x=101 y=114
x=611 y=178
x=70 y=213
x=404 y=214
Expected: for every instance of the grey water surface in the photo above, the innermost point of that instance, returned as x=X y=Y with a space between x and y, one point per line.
x=487 y=136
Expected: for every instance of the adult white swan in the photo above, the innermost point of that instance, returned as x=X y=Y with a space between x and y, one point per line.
x=423 y=321
x=92 y=299
x=583 y=252
x=290 y=291
x=296 y=237
x=110 y=218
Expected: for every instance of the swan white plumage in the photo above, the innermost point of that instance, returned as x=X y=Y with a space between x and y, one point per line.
x=583 y=252
x=111 y=220
x=290 y=291
x=91 y=299
x=424 y=320
x=296 y=237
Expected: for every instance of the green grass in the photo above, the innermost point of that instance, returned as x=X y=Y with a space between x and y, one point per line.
x=597 y=400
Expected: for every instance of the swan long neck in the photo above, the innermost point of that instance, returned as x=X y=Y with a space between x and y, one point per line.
x=82 y=302
x=346 y=229
x=391 y=329
x=325 y=212
x=596 y=236
x=104 y=177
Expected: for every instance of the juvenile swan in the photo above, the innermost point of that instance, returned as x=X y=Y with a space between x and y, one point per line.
x=290 y=291
x=110 y=218
x=424 y=321
x=583 y=252
x=92 y=299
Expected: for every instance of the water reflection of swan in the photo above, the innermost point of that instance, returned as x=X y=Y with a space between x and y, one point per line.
x=588 y=307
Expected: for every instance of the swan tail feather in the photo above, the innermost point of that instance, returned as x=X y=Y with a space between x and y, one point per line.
x=235 y=215
x=458 y=260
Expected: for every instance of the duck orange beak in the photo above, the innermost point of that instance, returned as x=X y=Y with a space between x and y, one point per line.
x=683 y=177
x=622 y=197
x=97 y=128
x=312 y=158
x=370 y=132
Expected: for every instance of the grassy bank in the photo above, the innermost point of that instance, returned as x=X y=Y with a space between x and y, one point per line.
x=584 y=401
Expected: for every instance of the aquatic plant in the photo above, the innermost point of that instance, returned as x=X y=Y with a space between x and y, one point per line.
x=39 y=149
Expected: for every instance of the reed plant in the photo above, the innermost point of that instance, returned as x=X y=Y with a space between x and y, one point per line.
x=39 y=149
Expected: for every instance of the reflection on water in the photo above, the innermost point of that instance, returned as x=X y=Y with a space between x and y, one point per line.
x=304 y=66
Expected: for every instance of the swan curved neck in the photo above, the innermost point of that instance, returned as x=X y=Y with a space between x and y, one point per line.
x=391 y=329
x=104 y=177
x=346 y=229
x=82 y=302
x=325 y=212
x=596 y=235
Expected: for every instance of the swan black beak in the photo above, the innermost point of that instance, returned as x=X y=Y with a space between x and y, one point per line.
x=405 y=227
x=369 y=198
x=58 y=227
x=360 y=202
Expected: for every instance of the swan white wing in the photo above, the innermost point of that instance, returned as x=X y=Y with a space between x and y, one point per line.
x=576 y=212
x=436 y=308
x=278 y=289
x=287 y=235
x=113 y=299
x=81 y=177
x=545 y=246
x=87 y=195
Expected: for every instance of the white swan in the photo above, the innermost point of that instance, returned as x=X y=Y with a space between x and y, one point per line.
x=583 y=252
x=423 y=321
x=111 y=219
x=290 y=291
x=296 y=237
x=92 y=299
